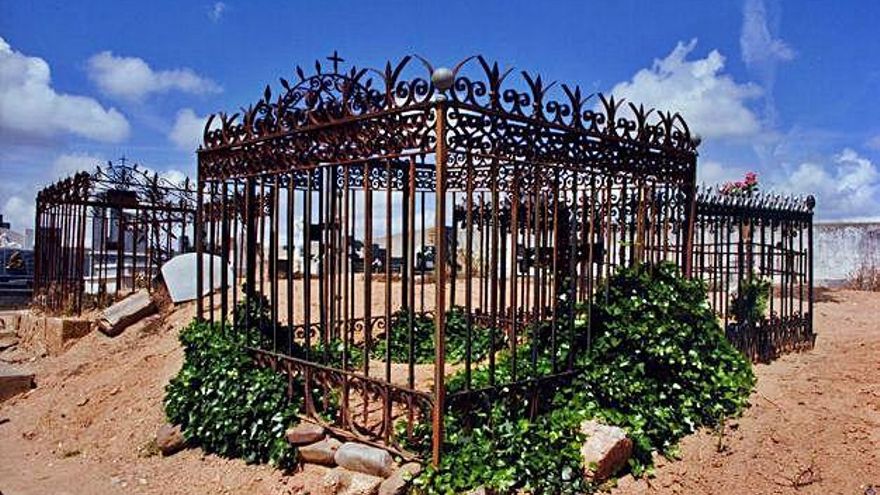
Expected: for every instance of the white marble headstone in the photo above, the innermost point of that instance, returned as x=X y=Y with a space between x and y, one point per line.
x=180 y=275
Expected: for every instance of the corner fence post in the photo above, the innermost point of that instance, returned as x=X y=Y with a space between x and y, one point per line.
x=198 y=231
x=811 y=204
x=439 y=281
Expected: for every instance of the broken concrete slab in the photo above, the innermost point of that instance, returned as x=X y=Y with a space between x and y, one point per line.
x=179 y=274
x=365 y=459
x=59 y=333
x=605 y=451
x=115 y=319
x=399 y=481
x=14 y=381
x=305 y=433
x=340 y=481
x=323 y=452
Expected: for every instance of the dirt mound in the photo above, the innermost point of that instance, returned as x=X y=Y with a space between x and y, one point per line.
x=814 y=424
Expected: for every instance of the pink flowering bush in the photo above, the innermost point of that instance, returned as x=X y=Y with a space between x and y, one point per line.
x=745 y=187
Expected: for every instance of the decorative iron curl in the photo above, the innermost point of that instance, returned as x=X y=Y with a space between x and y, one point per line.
x=340 y=96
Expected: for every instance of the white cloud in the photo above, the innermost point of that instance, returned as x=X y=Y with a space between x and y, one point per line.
x=874 y=142
x=757 y=44
x=187 y=130
x=711 y=102
x=29 y=106
x=132 y=78
x=68 y=164
x=19 y=211
x=762 y=52
x=217 y=11
x=849 y=187
x=713 y=173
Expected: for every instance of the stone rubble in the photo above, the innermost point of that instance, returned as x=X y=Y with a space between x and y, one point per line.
x=115 y=319
x=170 y=439
x=365 y=459
x=305 y=433
x=399 y=481
x=323 y=452
x=605 y=451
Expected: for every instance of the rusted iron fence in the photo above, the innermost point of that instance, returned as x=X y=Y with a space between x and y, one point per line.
x=756 y=254
x=368 y=213
x=103 y=234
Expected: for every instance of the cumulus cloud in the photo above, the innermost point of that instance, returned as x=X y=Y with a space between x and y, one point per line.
x=847 y=188
x=131 y=78
x=712 y=103
x=187 y=130
x=31 y=107
x=217 y=11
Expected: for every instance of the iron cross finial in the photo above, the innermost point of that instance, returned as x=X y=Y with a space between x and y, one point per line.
x=335 y=58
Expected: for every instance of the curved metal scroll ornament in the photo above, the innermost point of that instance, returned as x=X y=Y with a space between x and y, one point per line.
x=396 y=99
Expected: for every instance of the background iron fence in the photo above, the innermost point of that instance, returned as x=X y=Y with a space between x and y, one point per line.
x=104 y=234
x=747 y=246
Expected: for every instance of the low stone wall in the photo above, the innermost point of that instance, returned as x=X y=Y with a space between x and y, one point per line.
x=40 y=333
x=841 y=248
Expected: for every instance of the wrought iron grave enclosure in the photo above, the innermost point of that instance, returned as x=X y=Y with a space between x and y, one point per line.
x=103 y=234
x=752 y=238
x=356 y=203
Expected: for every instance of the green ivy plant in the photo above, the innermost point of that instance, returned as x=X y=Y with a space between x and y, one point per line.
x=659 y=366
x=423 y=338
x=749 y=303
x=227 y=404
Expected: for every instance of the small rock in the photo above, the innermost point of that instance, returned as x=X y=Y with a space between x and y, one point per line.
x=170 y=439
x=605 y=451
x=480 y=490
x=399 y=481
x=342 y=482
x=365 y=459
x=305 y=433
x=83 y=401
x=323 y=452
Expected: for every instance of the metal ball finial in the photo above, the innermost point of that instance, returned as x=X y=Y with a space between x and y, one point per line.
x=811 y=201
x=696 y=139
x=442 y=78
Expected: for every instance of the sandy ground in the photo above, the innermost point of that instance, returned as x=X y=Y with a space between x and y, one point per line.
x=813 y=427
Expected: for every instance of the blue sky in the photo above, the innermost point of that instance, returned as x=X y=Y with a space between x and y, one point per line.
x=781 y=87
